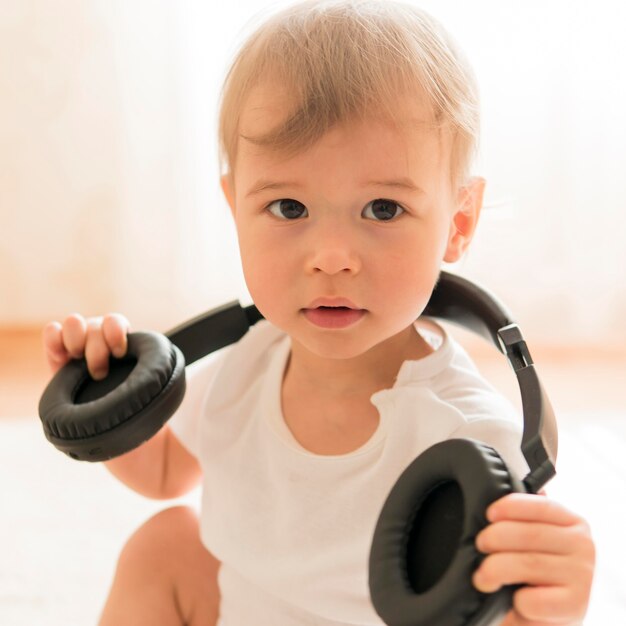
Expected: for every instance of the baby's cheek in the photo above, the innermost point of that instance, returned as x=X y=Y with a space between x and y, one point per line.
x=271 y=286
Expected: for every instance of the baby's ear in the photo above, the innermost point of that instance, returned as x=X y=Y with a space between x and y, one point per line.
x=464 y=221
x=226 y=182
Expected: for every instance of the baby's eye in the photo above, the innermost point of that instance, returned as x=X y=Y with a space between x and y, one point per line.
x=383 y=209
x=286 y=209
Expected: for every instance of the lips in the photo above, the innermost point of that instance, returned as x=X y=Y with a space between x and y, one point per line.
x=332 y=302
x=333 y=317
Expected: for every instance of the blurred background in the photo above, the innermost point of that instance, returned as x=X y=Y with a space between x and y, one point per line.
x=110 y=201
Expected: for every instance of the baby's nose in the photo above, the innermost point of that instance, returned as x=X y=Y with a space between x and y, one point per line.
x=334 y=253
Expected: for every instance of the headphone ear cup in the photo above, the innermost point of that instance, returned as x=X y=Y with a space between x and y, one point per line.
x=423 y=550
x=97 y=420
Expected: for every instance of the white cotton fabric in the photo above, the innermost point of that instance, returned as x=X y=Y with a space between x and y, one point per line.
x=292 y=528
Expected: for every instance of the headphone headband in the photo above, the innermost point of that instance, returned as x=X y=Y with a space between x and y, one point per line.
x=454 y=299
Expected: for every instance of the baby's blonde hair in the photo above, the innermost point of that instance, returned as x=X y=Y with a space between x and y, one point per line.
x=341 y=60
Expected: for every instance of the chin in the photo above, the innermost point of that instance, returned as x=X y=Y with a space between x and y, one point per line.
x=331 y=345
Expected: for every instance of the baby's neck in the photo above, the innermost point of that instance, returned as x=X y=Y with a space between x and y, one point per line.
x=338 y=380
x=326 y=402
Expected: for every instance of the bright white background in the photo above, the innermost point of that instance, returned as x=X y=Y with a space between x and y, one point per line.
x=109 y=200
x=109 y=196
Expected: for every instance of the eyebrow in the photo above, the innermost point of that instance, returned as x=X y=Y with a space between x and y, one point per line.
x=396 y=183
x=263 y=184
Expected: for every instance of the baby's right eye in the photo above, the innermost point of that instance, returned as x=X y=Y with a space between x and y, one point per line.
x=288 y=209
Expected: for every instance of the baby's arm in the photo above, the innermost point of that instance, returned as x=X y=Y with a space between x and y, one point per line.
x=159 y=468
x=537 y=542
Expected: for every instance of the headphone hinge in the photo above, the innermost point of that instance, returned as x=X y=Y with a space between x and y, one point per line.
x=540 y=475
x=513 y=343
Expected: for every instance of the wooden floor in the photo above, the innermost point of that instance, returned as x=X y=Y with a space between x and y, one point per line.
x=23 y=371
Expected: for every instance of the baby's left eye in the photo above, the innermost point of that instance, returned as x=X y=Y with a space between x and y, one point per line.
x=383 y=210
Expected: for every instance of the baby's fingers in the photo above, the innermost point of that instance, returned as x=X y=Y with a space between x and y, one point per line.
x=54 y=348
x=115 y=328
x=531 y=508
x=558 y=587
x=513 y=536
x=542 y=604
x=74 y=334
x=96 y=350
x=531 y=568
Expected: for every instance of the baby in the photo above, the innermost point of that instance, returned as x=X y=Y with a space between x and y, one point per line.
x=347 y=133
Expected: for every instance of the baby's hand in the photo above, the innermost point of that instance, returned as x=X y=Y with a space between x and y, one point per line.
x=537 y=542
x=95 y=338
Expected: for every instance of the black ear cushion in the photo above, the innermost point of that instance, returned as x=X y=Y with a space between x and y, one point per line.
x=96 y=420
x=423 y=552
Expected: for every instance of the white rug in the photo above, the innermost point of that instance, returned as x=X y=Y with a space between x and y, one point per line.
x=63 y=523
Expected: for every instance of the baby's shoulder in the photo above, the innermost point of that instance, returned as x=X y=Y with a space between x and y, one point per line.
x=450 y=377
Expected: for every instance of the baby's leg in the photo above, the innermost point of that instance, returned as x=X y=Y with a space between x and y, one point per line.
x=164 y=576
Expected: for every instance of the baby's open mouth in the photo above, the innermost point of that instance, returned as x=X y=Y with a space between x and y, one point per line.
x=335 y=307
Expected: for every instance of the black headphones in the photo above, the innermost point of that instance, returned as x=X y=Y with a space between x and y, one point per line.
x=423 y=553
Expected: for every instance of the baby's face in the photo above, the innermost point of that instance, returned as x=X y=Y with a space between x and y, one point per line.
x=365 y=214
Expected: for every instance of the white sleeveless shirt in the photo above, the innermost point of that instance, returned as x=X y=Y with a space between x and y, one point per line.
x=293 y=529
